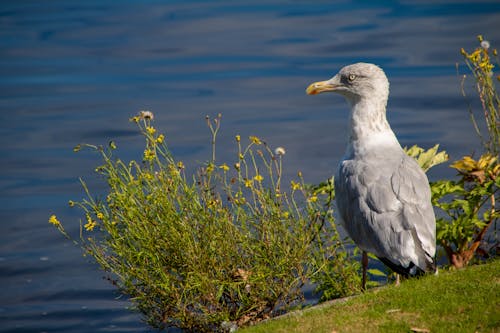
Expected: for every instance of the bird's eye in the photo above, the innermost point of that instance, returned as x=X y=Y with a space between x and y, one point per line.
x=352 y=77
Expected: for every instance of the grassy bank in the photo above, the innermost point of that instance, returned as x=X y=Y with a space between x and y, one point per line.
x=460 y=301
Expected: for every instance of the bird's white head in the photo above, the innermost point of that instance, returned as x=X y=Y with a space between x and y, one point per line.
x=356 y=82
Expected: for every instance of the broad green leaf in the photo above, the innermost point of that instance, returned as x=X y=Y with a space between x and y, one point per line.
x=427 y=158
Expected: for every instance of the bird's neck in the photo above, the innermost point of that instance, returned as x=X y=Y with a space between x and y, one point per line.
x=368 y=124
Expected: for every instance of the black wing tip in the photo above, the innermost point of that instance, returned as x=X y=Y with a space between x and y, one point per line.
x=410 y=271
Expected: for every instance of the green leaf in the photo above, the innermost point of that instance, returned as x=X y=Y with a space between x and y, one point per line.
x=376 y=272
x=427 y=158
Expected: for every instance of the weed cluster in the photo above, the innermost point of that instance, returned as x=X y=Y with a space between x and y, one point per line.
x=470 y=203
x=221 y=249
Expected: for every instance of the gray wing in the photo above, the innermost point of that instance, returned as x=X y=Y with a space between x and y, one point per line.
x=386 y=208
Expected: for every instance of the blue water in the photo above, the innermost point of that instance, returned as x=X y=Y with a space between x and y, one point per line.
x=75 y=71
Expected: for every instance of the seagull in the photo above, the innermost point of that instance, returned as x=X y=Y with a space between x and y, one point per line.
x=382 y=195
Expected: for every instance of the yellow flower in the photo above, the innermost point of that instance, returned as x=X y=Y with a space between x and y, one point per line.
x=286 y=215
x=313 y=199
x=54 y=221
x=90 y=225
x=255 y=140
x=180 y=165
x=238 y=138
x=160 y=138
x=295 y=186
x=248 y=183
x=134 y=119
x=475 y=56
x=258 y=178
x=151 y=130
x=149 y=155
x=212 y=204
x=224 y=167
x=241 y=156
x=100 y=216
x=210 y=168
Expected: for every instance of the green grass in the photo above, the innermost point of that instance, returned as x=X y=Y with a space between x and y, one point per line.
x=459 y=301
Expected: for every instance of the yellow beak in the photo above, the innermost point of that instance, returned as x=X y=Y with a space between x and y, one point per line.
x=321 y=86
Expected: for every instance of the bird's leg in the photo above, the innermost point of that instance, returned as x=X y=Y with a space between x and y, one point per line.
x=398 y=282
x=364 y=264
